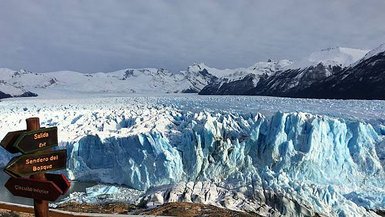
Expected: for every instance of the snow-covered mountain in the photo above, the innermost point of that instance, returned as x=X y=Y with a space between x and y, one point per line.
x=9 y=87
x=273 y=78
x=337 y=56
x=231 y=81
x=199 y=77
x=362 y=80
x=127 y=81
x=290 y=82
x=378 y=50
x=298 y=77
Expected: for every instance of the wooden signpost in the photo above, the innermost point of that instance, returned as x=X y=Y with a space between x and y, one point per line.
x=35 y=144
x=41 y=190
x=30 y=164
x=30 y=141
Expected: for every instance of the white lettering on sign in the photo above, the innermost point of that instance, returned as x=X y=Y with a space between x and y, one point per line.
x=40 y=135
x=54 y=157
x=42 y=168
x=36 y=160
x=41 y=145
x=27 y=188
x=41 y=159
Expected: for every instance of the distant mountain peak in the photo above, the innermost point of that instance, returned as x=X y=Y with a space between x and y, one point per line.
x=335 y=56
x=273 y=65
x=197 y=67
x=315 y=67
x=375 y=51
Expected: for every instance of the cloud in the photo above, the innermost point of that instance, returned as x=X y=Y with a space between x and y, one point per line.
x=92 y=36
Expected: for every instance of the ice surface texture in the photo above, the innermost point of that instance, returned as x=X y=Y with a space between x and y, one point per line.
x=293 y=162
x=319 y=152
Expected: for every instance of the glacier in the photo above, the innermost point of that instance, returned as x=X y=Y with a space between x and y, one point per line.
x=268 y=155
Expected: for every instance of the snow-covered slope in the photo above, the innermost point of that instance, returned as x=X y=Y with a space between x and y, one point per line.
x=127 y=81
x=362 y=80
x=185 y=149
x=70 y=84
x=260 y=68
x=342 y=73
x=376 y=51
x=10 y=89
x=197 y=77
x=284 y=77
x=10 y=86
x=236 y=81
x=292 y=82
x=148 y=80
x=337 y=56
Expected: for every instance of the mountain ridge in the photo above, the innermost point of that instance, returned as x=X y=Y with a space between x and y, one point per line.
x=355 y=79
x=272 y=78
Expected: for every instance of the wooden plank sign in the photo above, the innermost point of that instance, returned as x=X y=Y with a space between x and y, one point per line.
x=36 y=144
x=36 y=189
x=30 y=141
x=10 y=139
x=30 y=164
x=60 y=181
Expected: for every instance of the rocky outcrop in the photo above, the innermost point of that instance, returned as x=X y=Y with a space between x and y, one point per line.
x=4 y=95
x=292 y=82
x=225 y=87
x=362 y=81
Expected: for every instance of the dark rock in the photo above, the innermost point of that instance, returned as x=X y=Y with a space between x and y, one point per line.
x=190 y=90
x=27 y=94
x=291 y=83
x=4 y=95
x=223 y=87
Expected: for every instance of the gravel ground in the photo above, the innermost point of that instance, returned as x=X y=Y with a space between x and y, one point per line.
x=170 y=209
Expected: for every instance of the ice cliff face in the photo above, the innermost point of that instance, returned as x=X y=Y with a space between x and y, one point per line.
x=296 y=163
x=220 y=151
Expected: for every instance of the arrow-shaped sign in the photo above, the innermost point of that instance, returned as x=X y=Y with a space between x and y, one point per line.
x=10 y=139
x=36 y=189
x=30 y=164
x=60 y=181
x=30 y=141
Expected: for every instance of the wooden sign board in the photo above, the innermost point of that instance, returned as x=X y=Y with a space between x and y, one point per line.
x=60 y=181
x=30 y=141
x=10 y=139
x=36 y=189
x=35 y=162
x=30 y=164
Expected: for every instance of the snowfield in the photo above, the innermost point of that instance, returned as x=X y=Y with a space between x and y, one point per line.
x=273 y=156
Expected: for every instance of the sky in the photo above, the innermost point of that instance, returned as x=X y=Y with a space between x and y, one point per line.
x=103 y=36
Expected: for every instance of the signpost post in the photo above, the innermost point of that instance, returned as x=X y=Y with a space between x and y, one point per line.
x=35 y=144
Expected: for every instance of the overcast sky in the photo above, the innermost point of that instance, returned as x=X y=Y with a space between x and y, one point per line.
x=93 y=36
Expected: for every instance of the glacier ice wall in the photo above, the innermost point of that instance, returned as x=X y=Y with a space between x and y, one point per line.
x=219 y=147
x=328 y=163
x=286 y=163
